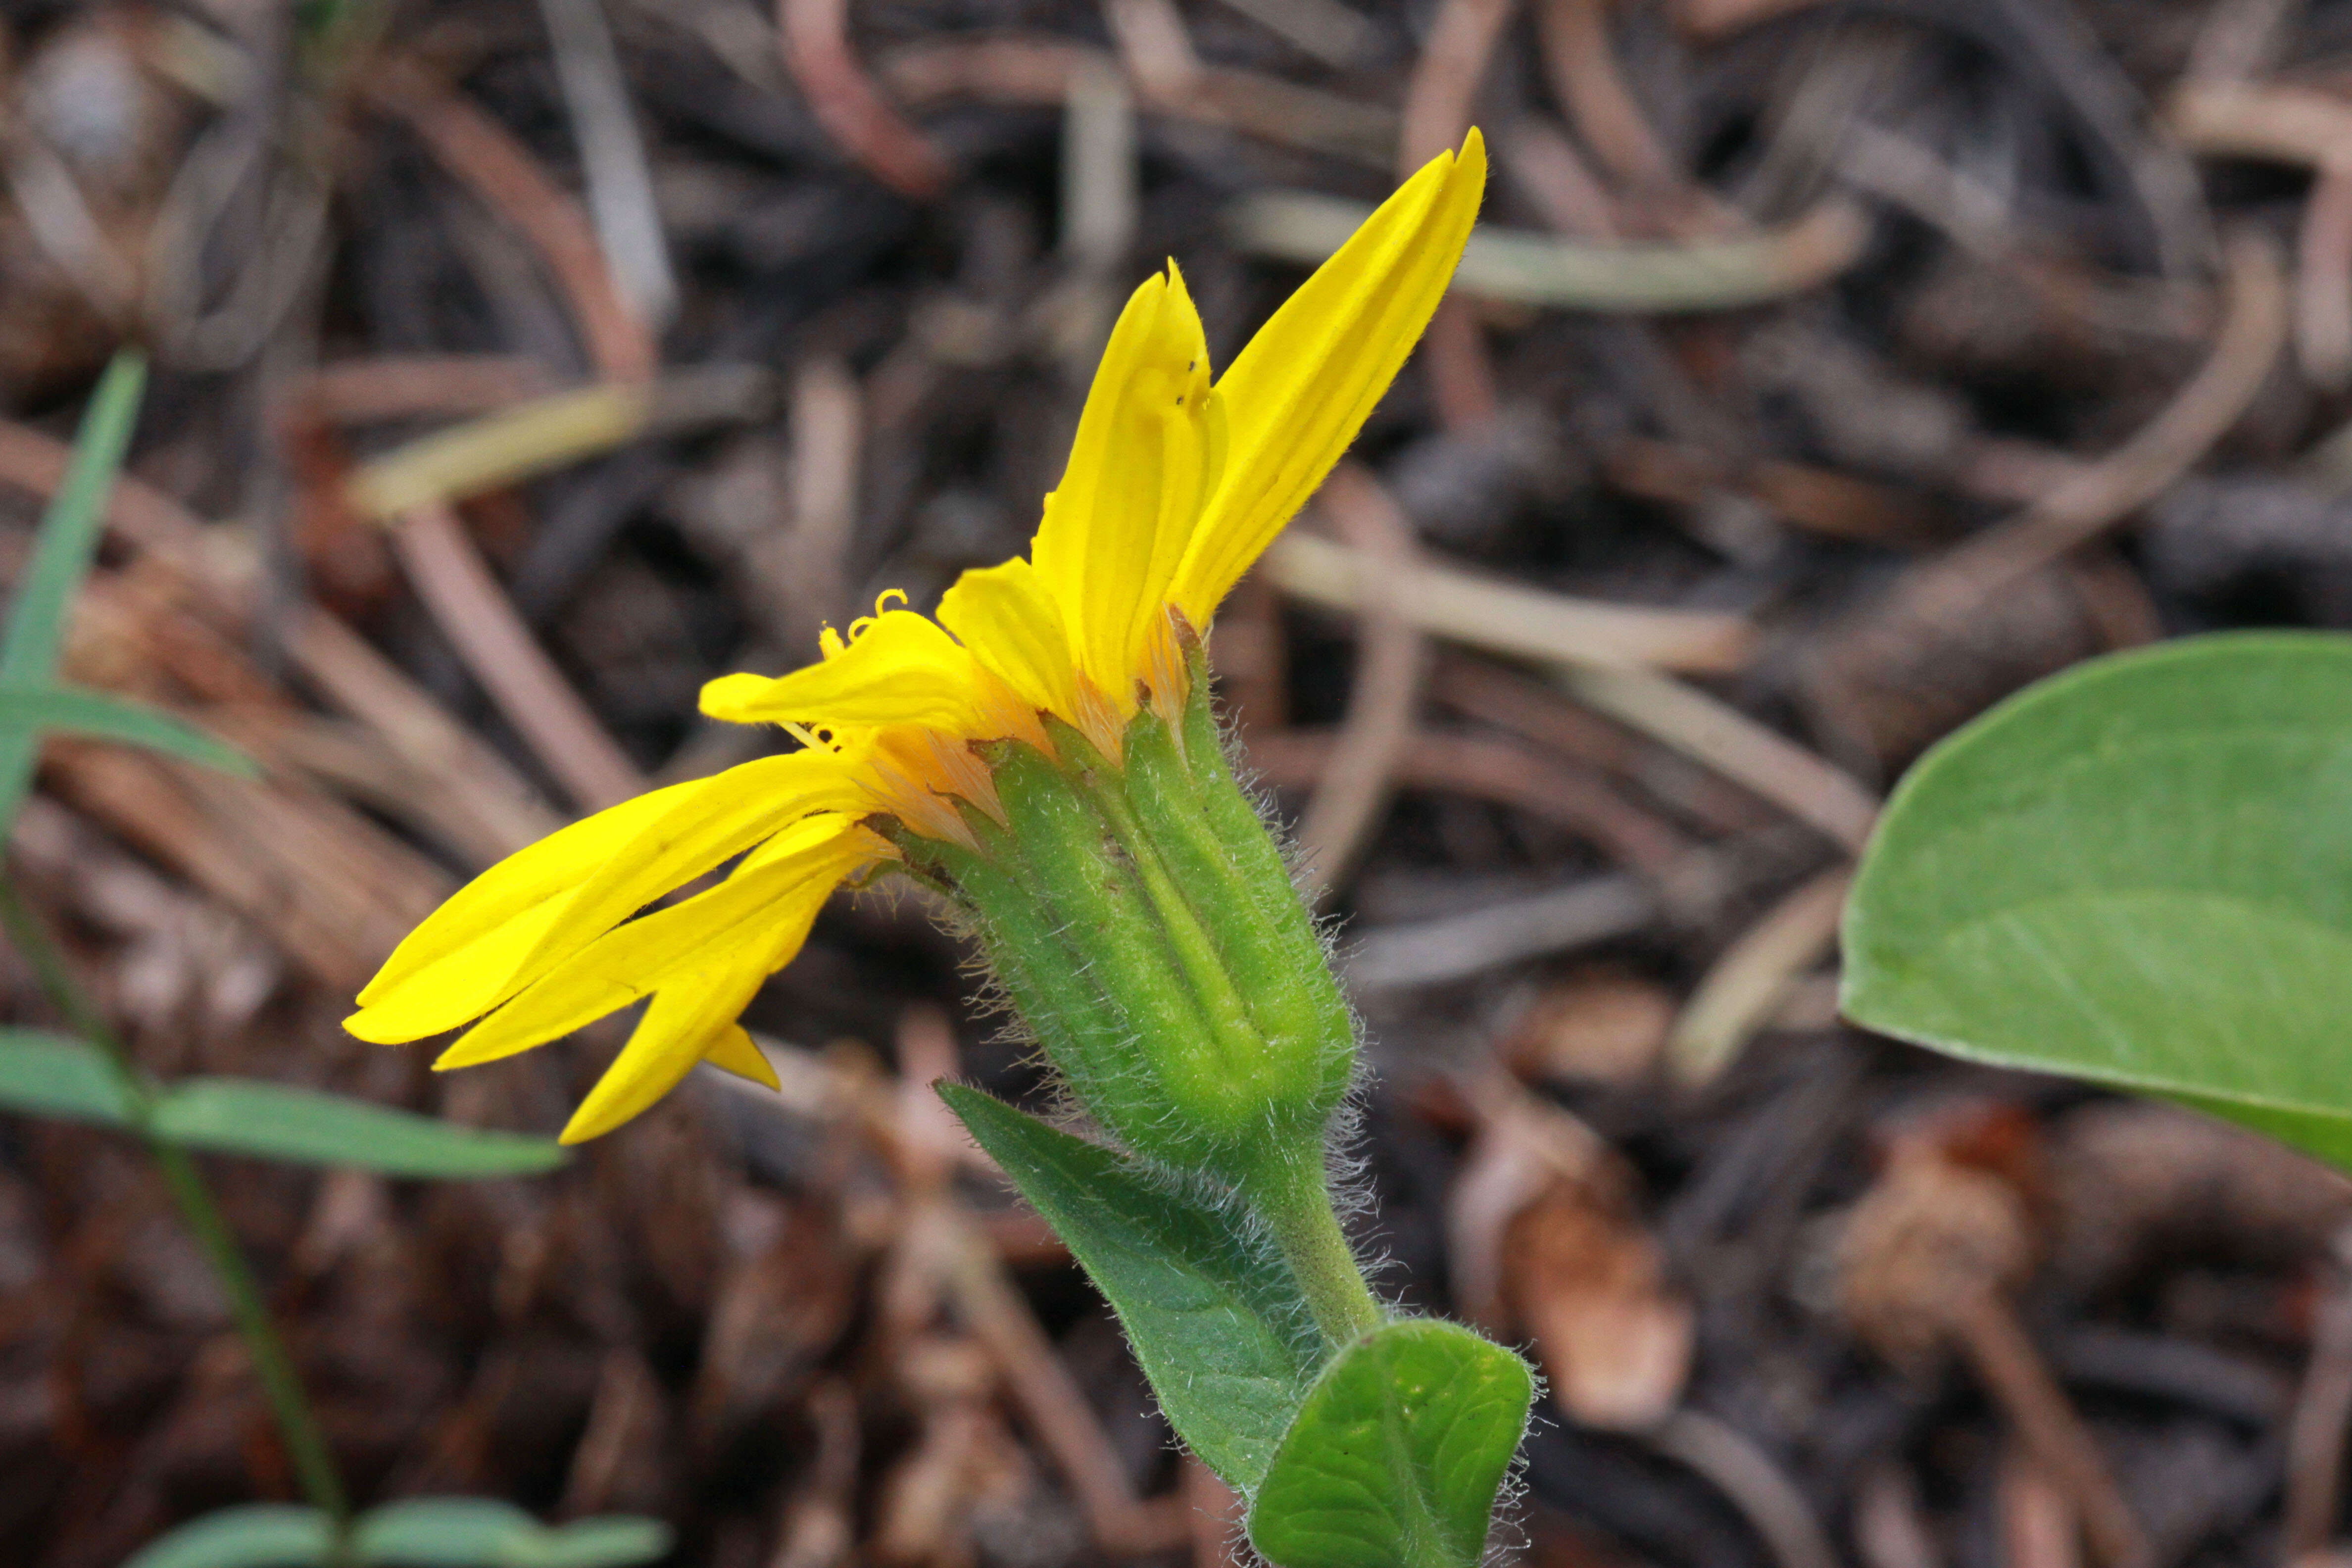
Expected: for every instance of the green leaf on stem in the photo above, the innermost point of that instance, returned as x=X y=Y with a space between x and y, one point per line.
x=37 y=709
x=58 y=1076
x=46 y=1074
x=1396 y=1454
x=2137 y=873
x=420 y=1532
x=61 y=558
x=1217 y=1322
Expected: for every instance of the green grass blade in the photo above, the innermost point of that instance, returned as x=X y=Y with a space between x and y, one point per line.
x=43 y=1074
x=37 y=708
x=484 y=1533
x=307 y=1126
x=61 y=557
x=257 y=1535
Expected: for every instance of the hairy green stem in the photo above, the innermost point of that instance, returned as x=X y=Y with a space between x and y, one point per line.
x=314 y=1464
x=1296 y=1203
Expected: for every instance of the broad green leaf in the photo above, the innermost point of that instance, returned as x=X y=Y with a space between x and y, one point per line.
x=61 y=557
x=1217 y=1322
x=38 y=708
x=56 y=1075
x=277 y=1121
x=2137 y=873
x=258 y=1535
x=482 y=1533
x=1397 y=1454
x=420 y=1532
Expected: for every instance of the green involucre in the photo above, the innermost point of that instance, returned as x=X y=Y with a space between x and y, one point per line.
x=1143 y=922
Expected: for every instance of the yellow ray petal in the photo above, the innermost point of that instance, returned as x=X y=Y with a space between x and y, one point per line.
x=760 y=915
x=1008 y=620
x=1296 y=396
x=478 y=950
x=520 y=885
x=731 y=1050
x=896 y=668
x=684 y=1023
x=1139 y=470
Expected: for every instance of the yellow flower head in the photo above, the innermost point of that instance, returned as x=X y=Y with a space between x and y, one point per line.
x=1176 y=484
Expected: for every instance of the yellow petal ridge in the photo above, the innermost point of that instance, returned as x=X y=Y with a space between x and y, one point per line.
x=1139 y=470
x=516 y=886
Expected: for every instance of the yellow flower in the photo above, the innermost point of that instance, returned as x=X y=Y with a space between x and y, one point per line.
x=1175 y=485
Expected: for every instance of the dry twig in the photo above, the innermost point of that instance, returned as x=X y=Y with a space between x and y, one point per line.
x=1391 y=663
x=473 y=611
x=497 y=168
x=1506 y=618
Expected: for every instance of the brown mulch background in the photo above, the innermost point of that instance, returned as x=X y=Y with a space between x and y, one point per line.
x=2035 y=342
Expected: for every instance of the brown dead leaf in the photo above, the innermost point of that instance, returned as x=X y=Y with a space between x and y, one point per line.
x=1601 y=1027
x=1586 y=1278
x=1930 y=1238
x=1547 y=1239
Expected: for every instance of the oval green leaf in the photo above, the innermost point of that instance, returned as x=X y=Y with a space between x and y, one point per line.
x=1217 y=1322
x=258 y=1535
x=38 y=709
x=278 y=1122
x=1397 y=1454
x=2138 y=872
x=56 y=1074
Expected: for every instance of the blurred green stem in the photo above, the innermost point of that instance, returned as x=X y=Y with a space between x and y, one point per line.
x=314 y=1466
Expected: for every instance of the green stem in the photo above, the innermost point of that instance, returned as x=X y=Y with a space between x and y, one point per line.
x=1296 y=1203
x=314 y=1464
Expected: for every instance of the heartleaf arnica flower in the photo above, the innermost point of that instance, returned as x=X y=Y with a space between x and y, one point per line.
x=1040 y=751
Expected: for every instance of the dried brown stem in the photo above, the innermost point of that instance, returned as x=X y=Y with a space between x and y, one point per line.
x=1393 y=661
x=2323 y=281
x=2315 y=1433
x=2101 y=494
x=2015 y=1373
x=1487 y=768
x=475 y=613
x=485 y=156
x=848 y=105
